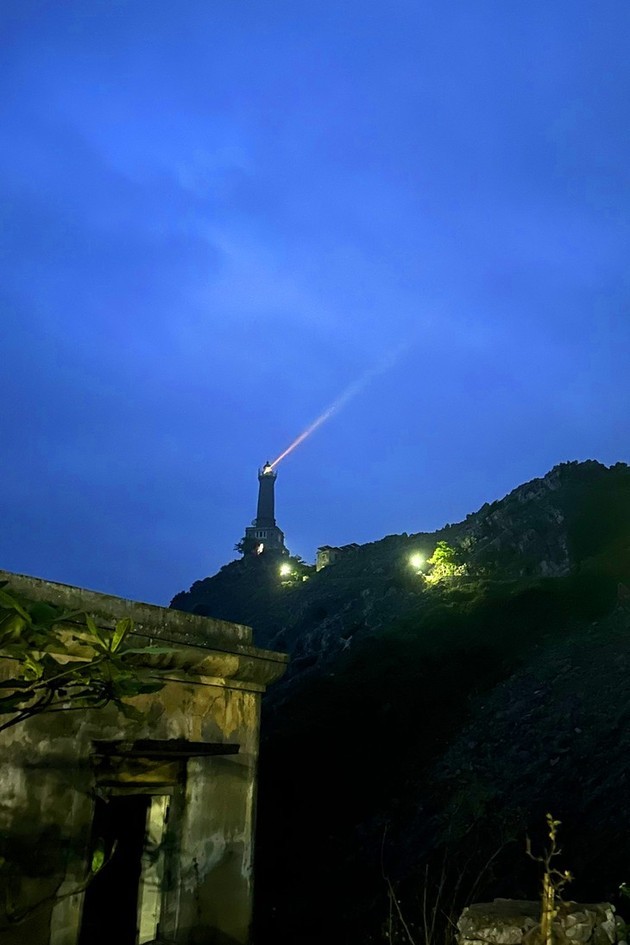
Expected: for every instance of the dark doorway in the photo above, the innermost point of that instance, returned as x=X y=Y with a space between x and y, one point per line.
x=110 y=910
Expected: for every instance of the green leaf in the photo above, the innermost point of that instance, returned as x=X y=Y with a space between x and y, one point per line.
x=33 y=669
x=129 y=711
x=43 y=613
x=6 y=600
x=146 y=687
x=102 y=637
x=126 y=685
x=98 y=856
x=90 y=624
x=123 y=627
x=11 y=628
x=58 y=657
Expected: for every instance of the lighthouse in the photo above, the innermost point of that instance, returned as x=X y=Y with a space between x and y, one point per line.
x=263 y=534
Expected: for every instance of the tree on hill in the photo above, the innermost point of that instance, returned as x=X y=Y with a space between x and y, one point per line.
x=247 y=546
x=445 y=562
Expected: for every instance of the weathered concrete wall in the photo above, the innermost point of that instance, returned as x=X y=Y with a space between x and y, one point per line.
x=51 y=775
x=512 y=922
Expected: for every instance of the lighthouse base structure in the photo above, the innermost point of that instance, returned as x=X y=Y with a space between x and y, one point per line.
x=260 y=539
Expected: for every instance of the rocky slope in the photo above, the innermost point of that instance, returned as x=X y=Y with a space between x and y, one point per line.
x=424 y=729
x=546 y=527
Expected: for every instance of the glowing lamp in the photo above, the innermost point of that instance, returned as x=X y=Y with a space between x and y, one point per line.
x=285 y=569
x=416 y=560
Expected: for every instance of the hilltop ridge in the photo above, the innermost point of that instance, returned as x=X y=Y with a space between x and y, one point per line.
x=547 y=527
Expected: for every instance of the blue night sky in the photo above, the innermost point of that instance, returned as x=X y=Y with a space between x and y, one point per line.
x=218 y=214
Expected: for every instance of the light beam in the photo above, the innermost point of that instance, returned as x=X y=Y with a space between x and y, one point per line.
x=347 y=395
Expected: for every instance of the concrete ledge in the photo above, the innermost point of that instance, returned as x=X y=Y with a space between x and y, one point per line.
x=202 y=646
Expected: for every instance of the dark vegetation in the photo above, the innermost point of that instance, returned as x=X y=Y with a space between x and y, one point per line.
x=423 y=730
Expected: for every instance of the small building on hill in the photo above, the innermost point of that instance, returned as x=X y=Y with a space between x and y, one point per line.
x=328 y=554
x=170 y=792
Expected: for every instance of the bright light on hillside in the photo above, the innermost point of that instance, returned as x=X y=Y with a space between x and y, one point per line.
x=285 y=569
x=416 y=560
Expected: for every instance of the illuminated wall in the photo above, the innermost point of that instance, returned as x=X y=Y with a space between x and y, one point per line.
x=176 y=790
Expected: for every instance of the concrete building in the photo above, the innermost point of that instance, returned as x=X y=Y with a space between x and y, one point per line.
x=176 y=790
x=328 y=554
x=263 y=534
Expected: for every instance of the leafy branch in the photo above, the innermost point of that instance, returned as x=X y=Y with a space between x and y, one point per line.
x=64 y=661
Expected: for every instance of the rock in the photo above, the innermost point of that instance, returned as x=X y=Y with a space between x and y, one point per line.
x=502 y=922
x=512 y=922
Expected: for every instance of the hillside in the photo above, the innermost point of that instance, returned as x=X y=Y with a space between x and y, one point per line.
x=425 y=728
x=554 y=526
